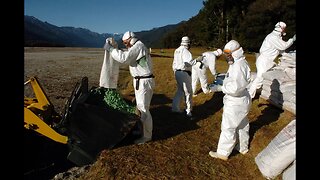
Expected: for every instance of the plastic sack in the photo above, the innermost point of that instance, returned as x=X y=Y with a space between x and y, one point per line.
x=219 y=79
x=217 y=83
x=109 y=72
x=279 y=153
x=290 y=172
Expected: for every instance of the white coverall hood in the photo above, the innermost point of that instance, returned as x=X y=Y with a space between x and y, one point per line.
x=128 y=35
x=133 y=40
x=280 y=26
x=234 y=47
x=185 y=41
x=238 y=54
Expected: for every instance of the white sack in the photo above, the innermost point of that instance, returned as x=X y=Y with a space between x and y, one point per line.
x=290 y=172
x=109 y=72
x=289 y=96
x=288 y=87
x=279 y=153
x=290 y=106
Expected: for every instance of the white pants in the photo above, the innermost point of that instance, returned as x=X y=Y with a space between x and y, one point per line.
x=184 y=89
x=235 y=124
x=263 y=64
x=199 y=75
x=143 y=99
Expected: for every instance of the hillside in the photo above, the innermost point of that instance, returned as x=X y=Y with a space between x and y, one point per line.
x=179 y=149
x=44 y=34
x=217 y=22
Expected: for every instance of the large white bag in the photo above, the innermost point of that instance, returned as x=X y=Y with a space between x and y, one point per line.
x=290 y=172
x=279 y=153
x=109 y=72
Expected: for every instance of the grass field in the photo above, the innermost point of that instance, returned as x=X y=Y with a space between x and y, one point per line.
x=179 y=149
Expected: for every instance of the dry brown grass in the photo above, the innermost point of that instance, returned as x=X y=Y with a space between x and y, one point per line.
x=179 y=149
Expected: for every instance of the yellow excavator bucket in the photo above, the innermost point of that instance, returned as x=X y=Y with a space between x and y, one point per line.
x=93 y=120
x=39 y=113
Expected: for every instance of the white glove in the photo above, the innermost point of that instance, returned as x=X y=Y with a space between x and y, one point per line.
x=107 y=46
x=111 y=41
x=199 y=59
x=216 y=88
x=110 y=44
x=294 y=38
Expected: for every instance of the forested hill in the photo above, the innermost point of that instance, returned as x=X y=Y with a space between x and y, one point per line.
x=247 y=21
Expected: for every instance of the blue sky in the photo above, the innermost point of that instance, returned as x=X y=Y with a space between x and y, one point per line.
x=113 y=16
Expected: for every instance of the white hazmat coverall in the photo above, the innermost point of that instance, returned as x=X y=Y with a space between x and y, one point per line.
x=140 y=66
x=271 y=47
x=182 y=64
x=236 y=106
x=199 y=71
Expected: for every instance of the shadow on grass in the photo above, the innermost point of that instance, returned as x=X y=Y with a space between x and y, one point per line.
x=162 y=56
x=209 y=107
x=160 y=99
x=269 y=115
x=167 y=124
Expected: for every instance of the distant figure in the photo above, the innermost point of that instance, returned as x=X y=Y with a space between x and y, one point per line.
x=181 y=65
x=271 y=47
x=236 y=104
x=199 y=70
x=140 y=65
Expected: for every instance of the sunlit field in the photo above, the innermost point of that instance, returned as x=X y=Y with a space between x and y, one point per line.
x=179 y=148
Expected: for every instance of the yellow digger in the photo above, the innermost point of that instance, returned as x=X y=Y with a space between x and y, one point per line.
x=90 y=123
x=39 y=113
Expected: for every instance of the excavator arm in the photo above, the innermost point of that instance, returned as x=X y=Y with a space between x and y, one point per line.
x=39 y=113
x=91 y=122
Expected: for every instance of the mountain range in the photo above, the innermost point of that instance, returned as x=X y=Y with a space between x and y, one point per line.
x=39 y=33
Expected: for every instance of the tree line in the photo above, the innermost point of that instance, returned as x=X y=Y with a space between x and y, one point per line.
x=247 y=21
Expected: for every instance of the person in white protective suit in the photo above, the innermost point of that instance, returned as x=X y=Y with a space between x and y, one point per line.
x=236 y=104
x=181 y=65
x=199 y=71
x=271 y=47
x=141 y=69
